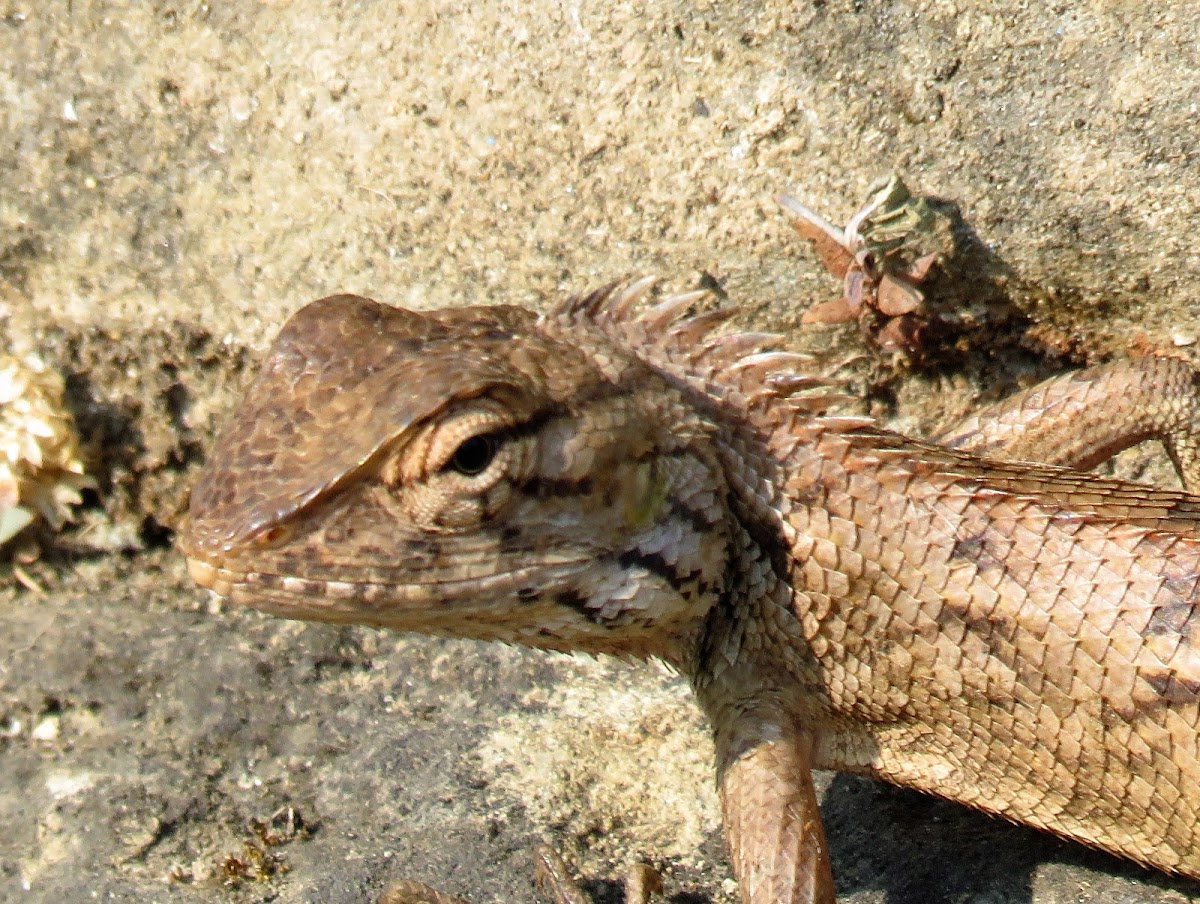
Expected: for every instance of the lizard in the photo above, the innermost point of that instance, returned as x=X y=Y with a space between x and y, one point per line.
x=975 y=617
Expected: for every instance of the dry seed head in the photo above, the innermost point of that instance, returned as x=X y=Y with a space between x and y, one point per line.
x=41 y=472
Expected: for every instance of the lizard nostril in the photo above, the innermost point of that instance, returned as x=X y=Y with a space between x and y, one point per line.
x=273 y=535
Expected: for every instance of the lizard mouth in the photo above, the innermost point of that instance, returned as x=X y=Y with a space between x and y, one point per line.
x=380 y=603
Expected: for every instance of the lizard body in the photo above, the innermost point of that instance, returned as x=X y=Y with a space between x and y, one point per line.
x=1018 y=637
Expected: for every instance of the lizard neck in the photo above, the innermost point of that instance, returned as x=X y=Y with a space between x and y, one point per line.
x=749 y=439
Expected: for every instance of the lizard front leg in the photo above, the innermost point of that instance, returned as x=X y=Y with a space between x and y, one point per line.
x=772 y=820
x=1081 y=419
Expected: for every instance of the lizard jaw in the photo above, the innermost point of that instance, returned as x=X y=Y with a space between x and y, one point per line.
x=556 y=618
x=383 y=604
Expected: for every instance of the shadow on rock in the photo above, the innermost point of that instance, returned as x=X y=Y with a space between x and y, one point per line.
x=919 y=849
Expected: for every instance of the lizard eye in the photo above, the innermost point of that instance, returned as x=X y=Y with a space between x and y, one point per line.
x=474 y=455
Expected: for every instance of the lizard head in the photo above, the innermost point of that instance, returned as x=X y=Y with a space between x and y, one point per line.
x=472 y=472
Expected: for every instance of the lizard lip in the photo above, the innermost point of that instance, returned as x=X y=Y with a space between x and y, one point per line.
x=209 y=576
x=229 y=583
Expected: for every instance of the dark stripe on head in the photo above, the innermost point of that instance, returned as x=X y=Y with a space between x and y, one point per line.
x=572 y=599
x=655 y=453
x=699 y=521
x=512 y=540
x=534 y=423
x=546 y=487
x=654 y=563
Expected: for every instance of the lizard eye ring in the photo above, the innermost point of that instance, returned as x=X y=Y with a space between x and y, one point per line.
x=473 y=455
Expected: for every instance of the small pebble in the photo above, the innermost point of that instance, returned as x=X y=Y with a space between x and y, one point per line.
x=47 y=729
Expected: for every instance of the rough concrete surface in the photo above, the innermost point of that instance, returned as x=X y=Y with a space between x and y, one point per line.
x=177 y=177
